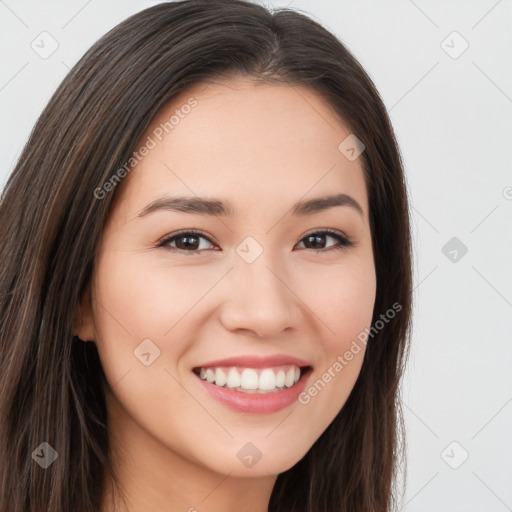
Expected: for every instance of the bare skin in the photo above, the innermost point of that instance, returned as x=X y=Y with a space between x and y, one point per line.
x=262 y=148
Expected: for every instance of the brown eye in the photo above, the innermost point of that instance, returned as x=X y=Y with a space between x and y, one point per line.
x=186 y=241
x=316 y=241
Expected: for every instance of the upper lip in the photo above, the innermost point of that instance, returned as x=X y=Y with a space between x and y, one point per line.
x=254 y=361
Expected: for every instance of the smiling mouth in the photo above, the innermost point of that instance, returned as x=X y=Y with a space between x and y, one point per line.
x=254 y=380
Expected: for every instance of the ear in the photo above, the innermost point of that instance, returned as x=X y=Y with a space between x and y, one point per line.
x=83 y=324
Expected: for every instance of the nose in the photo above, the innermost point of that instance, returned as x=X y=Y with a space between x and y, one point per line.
x=260 y=300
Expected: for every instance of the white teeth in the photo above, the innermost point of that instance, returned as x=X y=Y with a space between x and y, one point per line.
x=280 y=379
x=288 y=380
x=220 y=377
x=233 y=379
x=251 y=379
x=267 y=380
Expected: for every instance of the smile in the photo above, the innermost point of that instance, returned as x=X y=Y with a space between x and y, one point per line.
x=252 y=380
x=254 y=390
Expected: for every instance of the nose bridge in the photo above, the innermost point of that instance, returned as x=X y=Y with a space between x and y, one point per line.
x=260 y=299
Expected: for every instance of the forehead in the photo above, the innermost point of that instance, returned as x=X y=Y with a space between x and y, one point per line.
x=255 y=144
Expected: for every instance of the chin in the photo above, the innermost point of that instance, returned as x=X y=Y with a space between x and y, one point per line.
x=253 y=459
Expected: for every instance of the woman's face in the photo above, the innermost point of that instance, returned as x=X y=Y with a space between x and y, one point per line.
x=258 y=278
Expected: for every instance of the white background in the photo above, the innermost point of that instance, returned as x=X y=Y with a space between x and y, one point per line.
x=453 y=119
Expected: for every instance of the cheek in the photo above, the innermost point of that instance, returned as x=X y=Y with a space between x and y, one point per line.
x=342 y=298
x=140 y=300
x=136 y=303
x=143 y=300
x=128 y=309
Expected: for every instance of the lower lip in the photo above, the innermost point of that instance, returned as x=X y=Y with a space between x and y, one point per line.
x=256 y=403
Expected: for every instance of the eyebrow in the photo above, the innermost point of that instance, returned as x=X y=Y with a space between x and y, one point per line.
x=215 y=207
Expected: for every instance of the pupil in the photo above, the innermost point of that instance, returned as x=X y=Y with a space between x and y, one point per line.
x=317 y=241
x=188 y=244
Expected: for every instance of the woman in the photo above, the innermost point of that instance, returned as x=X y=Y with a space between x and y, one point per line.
x=206 y=275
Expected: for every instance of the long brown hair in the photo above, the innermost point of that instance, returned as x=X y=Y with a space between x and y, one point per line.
x=51 y=390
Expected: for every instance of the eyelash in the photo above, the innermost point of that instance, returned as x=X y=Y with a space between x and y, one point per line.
x=343 y=241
